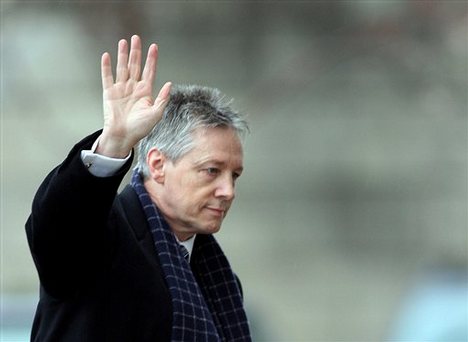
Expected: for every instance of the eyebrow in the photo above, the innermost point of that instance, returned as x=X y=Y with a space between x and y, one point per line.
x=215 y=162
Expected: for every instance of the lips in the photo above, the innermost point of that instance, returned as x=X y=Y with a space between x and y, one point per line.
x=217 y=211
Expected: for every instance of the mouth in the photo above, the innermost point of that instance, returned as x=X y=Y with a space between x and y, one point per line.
x=219 y=212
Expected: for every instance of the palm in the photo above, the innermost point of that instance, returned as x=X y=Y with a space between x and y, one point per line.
x=129 y=105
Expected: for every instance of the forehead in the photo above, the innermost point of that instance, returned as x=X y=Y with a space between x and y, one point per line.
x=216 y=144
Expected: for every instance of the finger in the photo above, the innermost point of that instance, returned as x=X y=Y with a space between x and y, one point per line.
x=149 y=71
x=134 y=60
x=122 y=61
x=163 y=97
x=106 y=71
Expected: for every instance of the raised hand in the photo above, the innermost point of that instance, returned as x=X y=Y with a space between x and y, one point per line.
x=129 y=109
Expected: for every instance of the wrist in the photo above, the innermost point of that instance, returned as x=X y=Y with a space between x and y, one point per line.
x=113 y=147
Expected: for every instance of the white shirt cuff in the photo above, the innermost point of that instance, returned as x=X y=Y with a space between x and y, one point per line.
x=99 y=165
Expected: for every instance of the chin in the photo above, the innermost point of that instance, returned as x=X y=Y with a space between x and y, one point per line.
x=210 y=229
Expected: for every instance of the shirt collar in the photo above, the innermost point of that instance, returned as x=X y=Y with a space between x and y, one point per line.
x=188 y=244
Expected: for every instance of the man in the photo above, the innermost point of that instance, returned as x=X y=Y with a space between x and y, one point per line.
x=141 y=265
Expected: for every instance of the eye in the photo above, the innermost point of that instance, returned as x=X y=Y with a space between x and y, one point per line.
x=235 y=175
x=212 y=171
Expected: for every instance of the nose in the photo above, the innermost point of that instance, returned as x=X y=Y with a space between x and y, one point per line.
x=225 y=189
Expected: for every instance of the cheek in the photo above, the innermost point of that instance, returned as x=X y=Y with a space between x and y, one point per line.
x=195 y=201
x=190 y=193
x=188 y=198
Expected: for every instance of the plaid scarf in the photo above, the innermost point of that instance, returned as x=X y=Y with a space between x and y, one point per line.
x=210 y=309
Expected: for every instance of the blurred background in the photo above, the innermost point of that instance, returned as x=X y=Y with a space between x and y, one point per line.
x=350 y=222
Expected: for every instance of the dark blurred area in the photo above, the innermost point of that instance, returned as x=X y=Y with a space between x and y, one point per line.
x=351 y=220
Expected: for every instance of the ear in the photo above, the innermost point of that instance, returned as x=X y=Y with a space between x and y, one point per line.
x=156 y=164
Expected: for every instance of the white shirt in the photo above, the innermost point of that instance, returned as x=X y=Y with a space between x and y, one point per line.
x=99 y=165
x=102 y=166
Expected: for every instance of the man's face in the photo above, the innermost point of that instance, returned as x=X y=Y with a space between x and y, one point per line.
x=198 y=189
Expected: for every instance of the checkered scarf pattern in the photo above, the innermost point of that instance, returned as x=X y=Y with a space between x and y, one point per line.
x=210 y=309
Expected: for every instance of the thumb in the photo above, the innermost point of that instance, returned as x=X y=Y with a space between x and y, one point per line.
x=163 y=97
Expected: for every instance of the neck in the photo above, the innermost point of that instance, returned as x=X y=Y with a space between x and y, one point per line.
x=182 y=236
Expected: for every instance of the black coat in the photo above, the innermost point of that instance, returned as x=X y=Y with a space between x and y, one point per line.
x=100 y=275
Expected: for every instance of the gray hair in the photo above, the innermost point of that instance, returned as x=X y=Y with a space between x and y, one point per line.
x=190 y=107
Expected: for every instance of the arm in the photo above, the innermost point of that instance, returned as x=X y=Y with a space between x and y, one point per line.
x=67 y=226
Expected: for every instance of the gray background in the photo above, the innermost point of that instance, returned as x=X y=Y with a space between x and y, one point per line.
x=355 y=189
